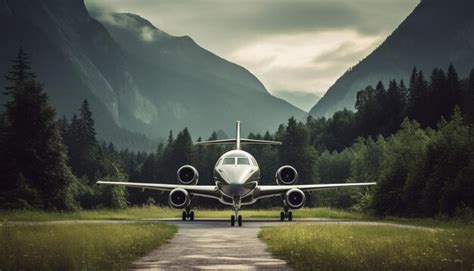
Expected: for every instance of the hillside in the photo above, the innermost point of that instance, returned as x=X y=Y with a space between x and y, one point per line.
x=435 y=34
x=135 y=85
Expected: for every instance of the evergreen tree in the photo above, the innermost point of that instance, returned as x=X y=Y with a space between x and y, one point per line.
x=21 y=71
x=183 y=149
x=86 y=126
x=33 y=153
x=297 y=152
x=440 y=95
x=395 y=106
x=418 y=99
x=469 y=98
x=454 y=90
x=85 y=155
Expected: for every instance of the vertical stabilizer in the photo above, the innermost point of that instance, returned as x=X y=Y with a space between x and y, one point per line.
x=237 y=135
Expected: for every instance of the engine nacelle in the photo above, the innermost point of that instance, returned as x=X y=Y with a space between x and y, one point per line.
x=187 y=175
x=295 y=198
x=286 y=175
x=179 y=198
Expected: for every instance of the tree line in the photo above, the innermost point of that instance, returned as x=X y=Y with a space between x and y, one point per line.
x=415 y=141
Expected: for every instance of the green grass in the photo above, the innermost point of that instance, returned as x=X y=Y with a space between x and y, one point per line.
x=160 y=212
x=163 y=212
x=362 y=247
x=78 y=246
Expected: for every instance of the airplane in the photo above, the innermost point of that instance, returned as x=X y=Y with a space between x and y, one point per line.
x=236 y=177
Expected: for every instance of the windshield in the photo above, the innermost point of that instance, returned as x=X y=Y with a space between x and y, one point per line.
x=229 y=161
x=243 y=161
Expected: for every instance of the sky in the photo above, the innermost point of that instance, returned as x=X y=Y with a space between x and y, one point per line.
x=290 y=45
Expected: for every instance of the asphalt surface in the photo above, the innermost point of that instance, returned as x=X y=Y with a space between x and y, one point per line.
x=211 y=244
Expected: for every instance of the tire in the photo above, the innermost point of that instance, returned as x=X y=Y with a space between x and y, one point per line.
x=184 y=216
x=282 y=216
x=290 y=216
x=239 y=220
x=191 y=216
x=232 y=220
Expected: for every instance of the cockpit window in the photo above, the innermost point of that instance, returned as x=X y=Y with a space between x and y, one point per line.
x=229 y=161
x=243 y=161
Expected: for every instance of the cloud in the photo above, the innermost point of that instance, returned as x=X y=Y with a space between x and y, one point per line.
x=307 y=61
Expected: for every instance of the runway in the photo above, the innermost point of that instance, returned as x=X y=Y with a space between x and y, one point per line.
x=211 y=244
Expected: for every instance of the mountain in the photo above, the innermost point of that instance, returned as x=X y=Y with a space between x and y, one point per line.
x=191 y=86
x=75 y=57
x=435 y=34
x=301 y=99
x=139 y=87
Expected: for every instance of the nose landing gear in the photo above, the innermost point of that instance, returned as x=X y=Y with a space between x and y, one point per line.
x=236 y=210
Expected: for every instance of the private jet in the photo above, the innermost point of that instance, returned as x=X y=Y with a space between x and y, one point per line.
x=236 y=177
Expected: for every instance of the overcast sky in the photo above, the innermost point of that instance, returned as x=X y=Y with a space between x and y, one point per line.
x=289 y=45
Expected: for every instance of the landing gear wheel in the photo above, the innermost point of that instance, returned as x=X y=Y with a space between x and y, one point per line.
x=232 y=220
x=282 y=216
x=239 y=220
x=184 y=215
x=290 y=216
x=191 y=216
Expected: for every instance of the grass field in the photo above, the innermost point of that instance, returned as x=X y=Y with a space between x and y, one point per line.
x=160 y=212
x=78 y=246
x=361 y=247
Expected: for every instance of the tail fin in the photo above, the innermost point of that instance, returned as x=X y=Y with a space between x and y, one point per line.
x=237 y=135
x=238 y=141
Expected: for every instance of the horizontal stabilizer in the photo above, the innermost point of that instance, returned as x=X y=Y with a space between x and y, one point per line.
x=242 y=141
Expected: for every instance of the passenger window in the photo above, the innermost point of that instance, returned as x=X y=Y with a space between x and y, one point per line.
x=243 y=161
x=229 y=161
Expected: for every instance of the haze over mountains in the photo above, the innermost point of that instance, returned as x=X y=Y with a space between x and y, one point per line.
x=435 y=34
x=137 y=78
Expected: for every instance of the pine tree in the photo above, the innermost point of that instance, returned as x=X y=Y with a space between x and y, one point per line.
x=418 y=99
x=296 y=151
x=469 y=98
x=85 y=155
x=439 y=95
x=86 y=126
x=454 y=90
x=21 y=71
x=183 y=149
x=395 y=106
x=33 y=150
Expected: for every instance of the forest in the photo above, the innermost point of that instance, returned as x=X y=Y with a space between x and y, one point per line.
x=416 y=140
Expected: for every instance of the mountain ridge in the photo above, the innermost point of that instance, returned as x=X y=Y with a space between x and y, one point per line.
x=436 y=34
x=77 y=58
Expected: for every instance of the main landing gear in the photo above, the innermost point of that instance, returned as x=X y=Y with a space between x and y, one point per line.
x=286 y=214
x=188 y=214
x=239 y=220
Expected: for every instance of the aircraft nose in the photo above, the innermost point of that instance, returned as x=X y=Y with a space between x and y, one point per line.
x=237 y=175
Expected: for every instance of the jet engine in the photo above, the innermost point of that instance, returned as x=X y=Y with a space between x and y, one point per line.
x=179 y=198
x=286 y=175
x=187 y=175
x=295 y=198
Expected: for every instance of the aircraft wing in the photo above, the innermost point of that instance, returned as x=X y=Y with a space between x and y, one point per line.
x=209 y=191
x=265 y=191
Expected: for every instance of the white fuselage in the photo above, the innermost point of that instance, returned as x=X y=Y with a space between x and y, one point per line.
x=236 y=175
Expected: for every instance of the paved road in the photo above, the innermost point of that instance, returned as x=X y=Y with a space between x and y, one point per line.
x=211 y=244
